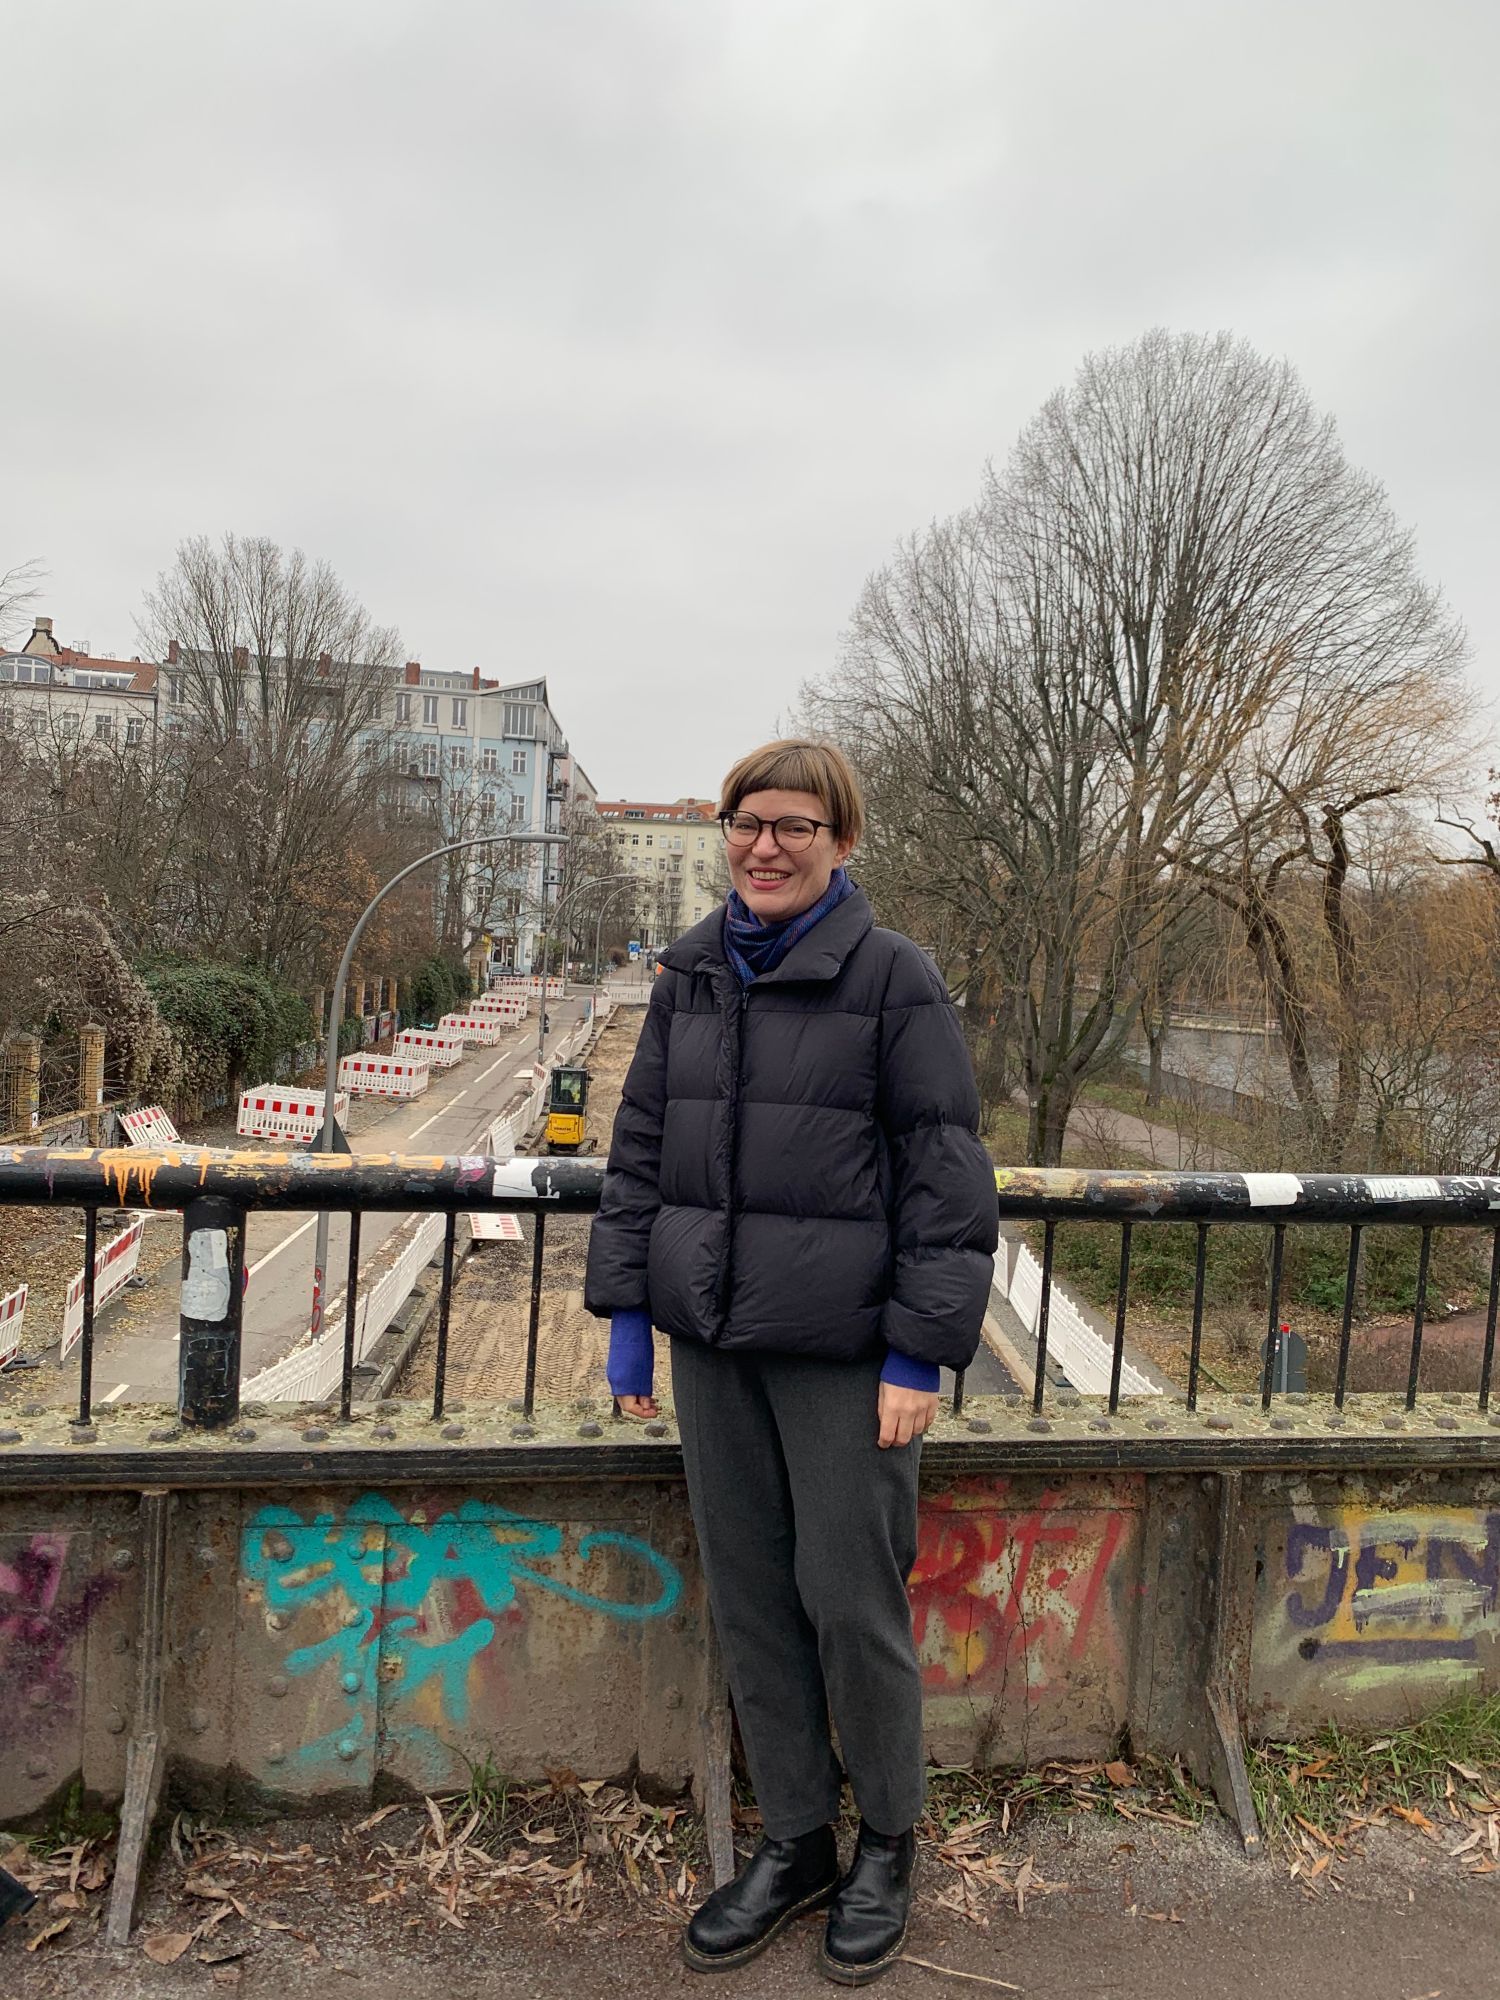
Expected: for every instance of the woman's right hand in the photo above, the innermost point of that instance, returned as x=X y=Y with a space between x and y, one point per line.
x=638 y=1408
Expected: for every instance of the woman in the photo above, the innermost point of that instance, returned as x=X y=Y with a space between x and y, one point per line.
x=797 y=1195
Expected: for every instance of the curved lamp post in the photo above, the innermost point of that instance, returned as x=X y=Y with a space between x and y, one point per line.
x=336 y=1017
x=577 y=889
x=620 y=883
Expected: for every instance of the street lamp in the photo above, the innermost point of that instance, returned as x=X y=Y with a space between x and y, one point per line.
x=621 y=881
x=577 y=889
x=324 y=1142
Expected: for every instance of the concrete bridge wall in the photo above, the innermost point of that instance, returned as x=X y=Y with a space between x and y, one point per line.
x=340 y=1631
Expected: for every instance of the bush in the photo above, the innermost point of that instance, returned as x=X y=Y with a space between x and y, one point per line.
x=438 y=986
x=234 y=1025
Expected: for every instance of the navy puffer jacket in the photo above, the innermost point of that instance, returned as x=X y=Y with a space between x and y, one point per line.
x=796 y=1164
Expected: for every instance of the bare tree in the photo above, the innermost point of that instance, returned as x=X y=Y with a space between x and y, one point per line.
x=284 y=672
x=17 y=590
x=1177 y=629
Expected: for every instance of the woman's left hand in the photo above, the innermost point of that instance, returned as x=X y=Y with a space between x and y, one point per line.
x=904 y=1413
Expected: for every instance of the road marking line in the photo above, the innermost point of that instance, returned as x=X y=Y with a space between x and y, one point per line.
x=494 y=1066
x=457 y=1100
x=261 y=1262
x=424 y=1125
x=117 y=1392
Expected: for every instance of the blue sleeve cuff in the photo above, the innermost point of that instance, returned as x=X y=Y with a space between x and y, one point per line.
x=905 y=1371
x=632 y=1354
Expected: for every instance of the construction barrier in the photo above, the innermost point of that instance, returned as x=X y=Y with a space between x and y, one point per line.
x=505 y=1006
x=384 y=1076
x=149 y=1127
x=489 y=1228
x=12 y=1313
x=271 y=1113
x=482 y=1030
x=441 y=1049
x=114 y=1263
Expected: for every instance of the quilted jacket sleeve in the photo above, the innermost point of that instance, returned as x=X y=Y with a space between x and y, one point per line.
x=615 y=1277
x=944 y=1215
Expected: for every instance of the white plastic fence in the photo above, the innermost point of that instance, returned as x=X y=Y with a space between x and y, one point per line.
x=508 y=1006
x=12 y=1313
x=269 y=1112
x=311 y=1372
x=1084 y=1356
x=483 y=1030
x=441 y=1049
x=384 y=1076
x=114 y=1262
x=150 y=1126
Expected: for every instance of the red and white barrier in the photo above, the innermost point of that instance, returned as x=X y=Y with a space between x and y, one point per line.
x=482 y=1030
x=440 y=1049
x=504 y=1006
x=384 y=1076
x=490 y=1228
x=114 y=1262
x=12 y=1313
x=272 y=1113
x=150 y=1127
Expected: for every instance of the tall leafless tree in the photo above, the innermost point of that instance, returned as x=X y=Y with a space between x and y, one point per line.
x=1177 y=629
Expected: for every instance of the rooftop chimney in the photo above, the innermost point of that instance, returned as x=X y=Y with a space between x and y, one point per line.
x=174 y=653
x=476 y=680
x=413 y=673
x=325 y=663
x=41 y=640
x=241 y=659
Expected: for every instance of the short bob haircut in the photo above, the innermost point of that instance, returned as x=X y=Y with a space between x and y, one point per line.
x=797 y=764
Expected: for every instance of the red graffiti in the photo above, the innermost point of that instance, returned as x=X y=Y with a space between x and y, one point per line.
x=995 y=1593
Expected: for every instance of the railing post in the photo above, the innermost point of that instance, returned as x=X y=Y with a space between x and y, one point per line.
x=91 y=1077
x=213 y=1264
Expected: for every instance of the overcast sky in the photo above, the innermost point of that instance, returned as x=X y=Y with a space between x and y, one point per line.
x=619 y=341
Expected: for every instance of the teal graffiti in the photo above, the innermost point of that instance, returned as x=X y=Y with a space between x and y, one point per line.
x=391 y=1572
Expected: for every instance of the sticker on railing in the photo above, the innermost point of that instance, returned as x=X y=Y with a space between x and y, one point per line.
x=1272 y=1190
x=1402 y=1187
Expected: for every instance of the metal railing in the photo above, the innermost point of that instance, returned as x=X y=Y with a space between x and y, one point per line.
x=216 y=1191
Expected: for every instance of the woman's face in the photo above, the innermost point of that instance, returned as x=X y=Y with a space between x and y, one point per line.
x=774 y=883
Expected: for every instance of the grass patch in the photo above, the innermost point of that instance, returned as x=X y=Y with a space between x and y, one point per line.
x=1333 y=1782
x=1238 y=1269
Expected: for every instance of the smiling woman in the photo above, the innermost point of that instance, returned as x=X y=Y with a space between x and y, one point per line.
x=797 y=1195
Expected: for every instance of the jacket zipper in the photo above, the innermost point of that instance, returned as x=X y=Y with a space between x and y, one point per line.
x=726 y=1272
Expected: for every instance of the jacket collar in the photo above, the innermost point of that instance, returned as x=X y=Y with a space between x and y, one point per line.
x=819 y=955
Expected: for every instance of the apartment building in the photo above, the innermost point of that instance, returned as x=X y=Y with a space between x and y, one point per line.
x=61 y=699
x=478 y=755
x=679 y=849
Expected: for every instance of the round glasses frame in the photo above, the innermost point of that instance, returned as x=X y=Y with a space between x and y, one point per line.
x=736 y=828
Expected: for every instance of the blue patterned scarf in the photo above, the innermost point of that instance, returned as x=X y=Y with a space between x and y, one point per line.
x=754 y=948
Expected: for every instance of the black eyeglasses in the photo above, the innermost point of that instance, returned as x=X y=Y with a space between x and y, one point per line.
x=793 y=832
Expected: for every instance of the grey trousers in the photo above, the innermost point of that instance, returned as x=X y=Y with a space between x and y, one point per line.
x=808 y=1532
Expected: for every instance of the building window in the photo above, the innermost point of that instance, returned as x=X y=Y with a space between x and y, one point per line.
x=517 y=809
x=104 y=726
x=429 y=709
x=429 y=760
x=518 y=763
x=697 y=915
x=487 y=806
x=519 y=719
x=460 y=713
x=458 y=757
x=635 y=839
x=176 y=686
x=489 y=758
x=403 y=708
x=176 y=727
x=135 y=729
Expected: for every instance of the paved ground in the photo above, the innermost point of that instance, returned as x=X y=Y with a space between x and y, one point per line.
x=1158 y=1916
x=136 y=1357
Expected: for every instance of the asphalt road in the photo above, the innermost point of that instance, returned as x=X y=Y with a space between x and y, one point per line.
x=139 y=1363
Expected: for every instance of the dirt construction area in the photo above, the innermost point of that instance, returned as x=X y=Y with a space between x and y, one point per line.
x=492 y=1297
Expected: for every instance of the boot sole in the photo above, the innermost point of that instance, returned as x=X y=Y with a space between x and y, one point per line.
x=726 y=1961
x=843 y=1974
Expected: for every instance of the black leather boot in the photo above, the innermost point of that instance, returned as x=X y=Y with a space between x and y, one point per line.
x=781 y=1880
x=867 y=1923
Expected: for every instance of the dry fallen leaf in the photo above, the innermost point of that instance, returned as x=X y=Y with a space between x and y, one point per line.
x=43 y=1937
x=166 y=1947
x=1119 y=1774
x=227 y=1975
